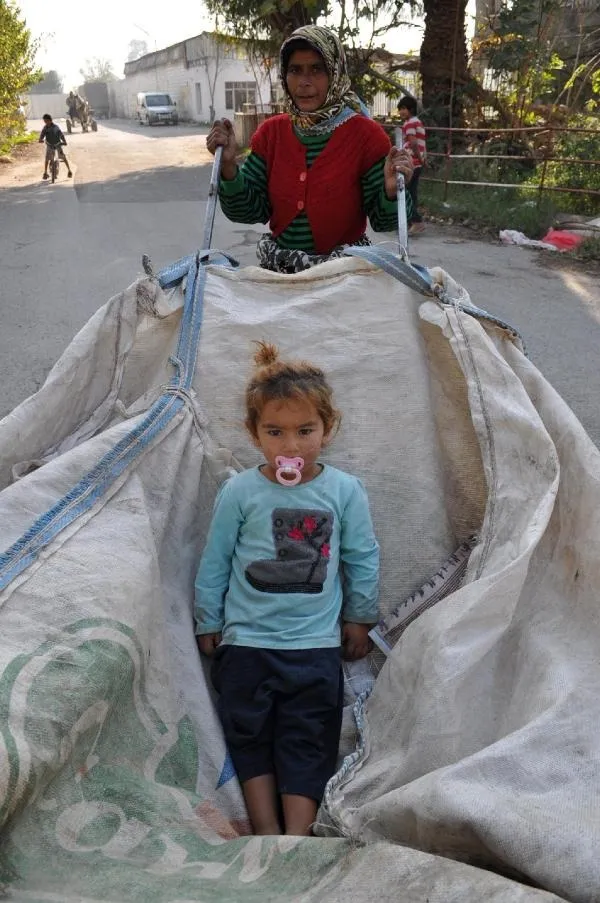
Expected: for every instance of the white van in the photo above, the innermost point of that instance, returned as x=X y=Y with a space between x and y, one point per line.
x=156 y=106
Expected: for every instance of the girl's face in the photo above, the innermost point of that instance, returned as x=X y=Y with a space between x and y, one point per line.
x=307 y=80
x=292 y=428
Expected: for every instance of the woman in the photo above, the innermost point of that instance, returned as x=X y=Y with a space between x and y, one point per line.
x=316 y=172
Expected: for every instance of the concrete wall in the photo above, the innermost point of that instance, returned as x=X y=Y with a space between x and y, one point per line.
x=38 y=104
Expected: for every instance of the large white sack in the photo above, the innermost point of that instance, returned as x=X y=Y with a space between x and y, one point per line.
x=112 y=756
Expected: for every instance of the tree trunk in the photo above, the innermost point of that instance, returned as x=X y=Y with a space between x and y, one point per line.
x=444 y=61
x=284 y=18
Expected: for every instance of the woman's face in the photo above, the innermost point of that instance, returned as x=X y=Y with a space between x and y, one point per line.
x=307 y=80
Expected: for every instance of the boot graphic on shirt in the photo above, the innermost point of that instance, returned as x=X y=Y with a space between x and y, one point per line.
x=301 y=539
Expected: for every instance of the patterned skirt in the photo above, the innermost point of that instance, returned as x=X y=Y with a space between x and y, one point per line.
x=288 y=260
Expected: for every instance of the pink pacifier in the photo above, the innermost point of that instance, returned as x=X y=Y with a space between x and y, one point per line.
x=289 y=470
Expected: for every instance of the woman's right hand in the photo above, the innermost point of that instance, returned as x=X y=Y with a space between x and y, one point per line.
x=222 y=135
x=208 y=642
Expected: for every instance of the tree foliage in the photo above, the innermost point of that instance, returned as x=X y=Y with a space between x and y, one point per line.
x=266 y=20
x=361 y=26
x=520 y=52
x=577 y=147
x=18 y=71
x=51 y=83
x=97 y=70
x=264 y=24
x=541 y=71
x=137 y=48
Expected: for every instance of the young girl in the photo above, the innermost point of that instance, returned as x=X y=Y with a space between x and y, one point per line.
x=269 y=596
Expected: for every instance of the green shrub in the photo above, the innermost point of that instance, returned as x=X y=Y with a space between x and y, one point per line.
x=490 y=208
x=582 y=146
x=525 y=208
x=12 y=130
x=511 y=146
x=589 y=249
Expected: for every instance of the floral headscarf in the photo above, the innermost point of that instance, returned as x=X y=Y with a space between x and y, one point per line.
x=341 y=101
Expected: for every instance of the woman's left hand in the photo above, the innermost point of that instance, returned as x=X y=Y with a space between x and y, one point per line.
x=396 y=161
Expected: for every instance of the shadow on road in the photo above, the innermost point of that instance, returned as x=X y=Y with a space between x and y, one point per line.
x=149 y=186
x=44 y=193
x=154 y=131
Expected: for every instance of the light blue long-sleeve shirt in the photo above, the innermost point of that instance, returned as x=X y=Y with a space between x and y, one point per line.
x=282 y=563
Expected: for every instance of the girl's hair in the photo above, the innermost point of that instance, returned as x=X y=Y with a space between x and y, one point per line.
x=277 y=380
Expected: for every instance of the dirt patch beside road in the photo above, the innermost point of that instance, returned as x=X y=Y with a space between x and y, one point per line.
x=25 y=168
x=566 y=263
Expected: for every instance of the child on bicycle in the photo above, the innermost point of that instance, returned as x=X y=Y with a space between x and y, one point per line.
x=271 y=606
x=55 y=140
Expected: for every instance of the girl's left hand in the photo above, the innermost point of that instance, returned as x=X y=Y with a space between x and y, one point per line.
x=208 y=642
x=396 y=161
x=355 y=641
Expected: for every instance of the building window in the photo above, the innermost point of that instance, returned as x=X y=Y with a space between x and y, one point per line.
x=239 y=93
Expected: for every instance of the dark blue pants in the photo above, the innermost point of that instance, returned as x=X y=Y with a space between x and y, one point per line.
x=281 y=712
x=413 y=190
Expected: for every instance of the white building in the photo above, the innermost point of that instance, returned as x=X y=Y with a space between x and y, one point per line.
x=401 y=70
x=211 y=76
x=207 y=76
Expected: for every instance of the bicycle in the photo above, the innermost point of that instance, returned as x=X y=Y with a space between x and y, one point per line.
x=54 y=162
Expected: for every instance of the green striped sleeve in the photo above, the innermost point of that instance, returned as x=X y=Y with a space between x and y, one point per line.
x=382 y=213
x=245 y=198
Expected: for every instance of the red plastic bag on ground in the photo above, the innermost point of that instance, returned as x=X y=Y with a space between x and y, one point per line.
x=564 y=241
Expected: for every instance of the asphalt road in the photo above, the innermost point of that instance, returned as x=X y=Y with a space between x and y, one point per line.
x=65 y=249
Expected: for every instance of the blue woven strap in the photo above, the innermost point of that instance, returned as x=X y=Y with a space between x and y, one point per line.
x=419 y=279
x=174 y=273
x=98 y=480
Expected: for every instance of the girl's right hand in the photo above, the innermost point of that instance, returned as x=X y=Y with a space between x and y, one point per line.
x=222 y=135
x=208 y=642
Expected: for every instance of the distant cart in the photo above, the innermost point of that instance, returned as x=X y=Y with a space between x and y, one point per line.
x=84 y=116
x=96 y=94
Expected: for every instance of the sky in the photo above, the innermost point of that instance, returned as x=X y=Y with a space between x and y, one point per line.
x=67 y=39
x=69 y=36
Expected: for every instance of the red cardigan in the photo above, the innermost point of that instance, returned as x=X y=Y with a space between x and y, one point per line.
x=330 y=191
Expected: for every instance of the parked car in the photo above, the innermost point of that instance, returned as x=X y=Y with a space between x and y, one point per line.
x=156 y=107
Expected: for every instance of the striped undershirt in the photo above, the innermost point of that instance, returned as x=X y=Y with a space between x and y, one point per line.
x=244 y=199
